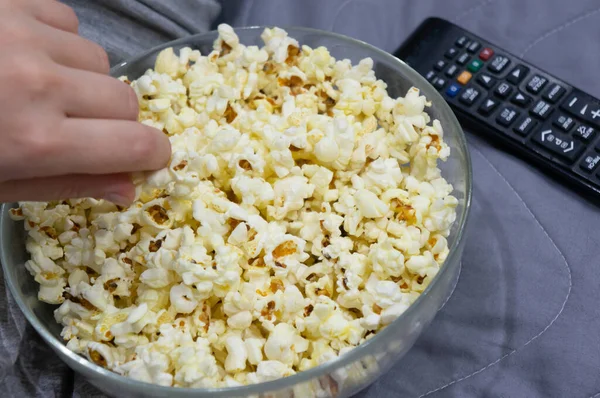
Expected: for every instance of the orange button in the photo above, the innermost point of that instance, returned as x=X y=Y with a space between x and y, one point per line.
x=464 y=77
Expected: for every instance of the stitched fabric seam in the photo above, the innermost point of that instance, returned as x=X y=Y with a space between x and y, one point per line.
x=337 y=14
x=558 y=29
x=454 y=288
x=471 y=10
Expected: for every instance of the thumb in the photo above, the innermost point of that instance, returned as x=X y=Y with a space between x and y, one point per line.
x=116 y=188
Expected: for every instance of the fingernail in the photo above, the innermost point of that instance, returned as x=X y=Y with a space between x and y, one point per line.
x=118 y=198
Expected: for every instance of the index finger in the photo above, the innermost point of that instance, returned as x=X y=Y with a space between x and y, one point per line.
x=97 y=146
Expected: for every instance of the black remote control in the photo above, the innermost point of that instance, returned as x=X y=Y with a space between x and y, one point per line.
x=547 y=121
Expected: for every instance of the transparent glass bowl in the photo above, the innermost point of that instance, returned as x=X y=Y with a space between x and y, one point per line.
x=349 y=373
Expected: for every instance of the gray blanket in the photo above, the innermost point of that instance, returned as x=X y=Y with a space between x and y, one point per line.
x=524 y=318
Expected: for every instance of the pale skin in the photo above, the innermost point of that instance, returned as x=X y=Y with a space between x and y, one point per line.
x=67 y=129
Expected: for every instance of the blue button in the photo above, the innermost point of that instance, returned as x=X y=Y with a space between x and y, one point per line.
x=452 y=90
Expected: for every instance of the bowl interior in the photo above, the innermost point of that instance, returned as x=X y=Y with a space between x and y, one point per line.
x=399 y=78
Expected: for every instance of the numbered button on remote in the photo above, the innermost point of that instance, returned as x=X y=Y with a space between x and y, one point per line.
x=499 y=63
x=440 y=65
x=520 y=99
x=585 y=133
x=488 y=106
x=473 y=47
x=517 y=74
x=451 y=53
x=542 y=109
x=536 y=84
x=430 y=76
x=590 y=162
x=463 y=59
x=554 y=93
x=462 y=41
x=469 y=96
x=439 y=83
x=507 y=116
x=503 y=90
x=486 y=81
x=563 y=122
x=525 y=126
x=452 y=69
x=559 y=144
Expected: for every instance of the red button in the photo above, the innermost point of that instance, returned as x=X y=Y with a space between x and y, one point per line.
x=486 y=54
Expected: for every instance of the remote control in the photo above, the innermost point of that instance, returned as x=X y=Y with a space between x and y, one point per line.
x=548 y=122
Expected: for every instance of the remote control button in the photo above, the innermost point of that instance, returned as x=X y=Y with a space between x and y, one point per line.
x=542 y=110
x=440 y=65
x=439 y=83
x=464 y=77
x=463 y=59
x=590 y=162
x=486 y=81
x=451 y=53
x=452 y=69
x=565 y=123
x=582 y=108
x=559 y=144
x=430 y=76
x=462 y=41
x=585 y=133
x=576 y=105
x=525 y=126
x=475 y=65
x=486 y=54
x=473 y=47
x=517 y=74
x=499 y=63
x=554 y=93
x=469 y=96
x=453 y=90
x=593 y=115
x=520 y=99
x=536 y=84
x=507 y=116
x=503 y=90
x=488 y=106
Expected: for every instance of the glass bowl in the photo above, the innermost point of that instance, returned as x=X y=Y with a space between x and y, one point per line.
x=343 y=376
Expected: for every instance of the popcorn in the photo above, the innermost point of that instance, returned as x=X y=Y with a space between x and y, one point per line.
x=236 y=354
x=182 y=299
x=369 y=205
x=301 y=212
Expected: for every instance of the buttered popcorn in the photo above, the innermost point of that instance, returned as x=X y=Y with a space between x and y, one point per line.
x=302 y=211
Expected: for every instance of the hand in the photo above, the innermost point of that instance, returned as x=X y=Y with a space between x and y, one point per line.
x=67 y=129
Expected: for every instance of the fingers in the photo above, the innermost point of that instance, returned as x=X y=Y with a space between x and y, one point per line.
x=73 y=51
x=108 y=146
x=53 y=13
x=92 y=95
x=116 y=188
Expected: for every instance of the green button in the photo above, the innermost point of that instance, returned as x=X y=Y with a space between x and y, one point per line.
x=475 y=65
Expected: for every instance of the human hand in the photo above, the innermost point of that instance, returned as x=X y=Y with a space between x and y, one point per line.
x=67 y=129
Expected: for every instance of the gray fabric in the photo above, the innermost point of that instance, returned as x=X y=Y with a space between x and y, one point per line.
x=127 y=27
x=523 y=320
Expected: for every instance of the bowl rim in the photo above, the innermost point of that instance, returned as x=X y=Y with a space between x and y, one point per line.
x=302 y=376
